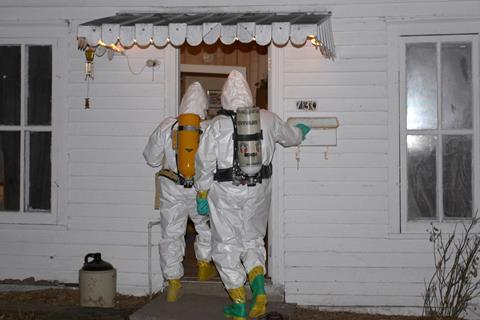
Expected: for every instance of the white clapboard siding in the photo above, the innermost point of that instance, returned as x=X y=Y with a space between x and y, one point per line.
x=333 y=91
x=110 y=188
x=357 y=274
x=117 y=103
x=343 y=105
x=315 y=216
x=350 y=65
x=357 y=300
x=347 y=202
x=86 y=237
x=111 y=129
x=352 y=288
x=64 y=263
x=334 y=188
x=117 y=77
x=105 y=156
x=108 y=142
x=119 y=67
x=348 y=132
x=112 y=183
x=311 y=158
x=80 y=115
x=152 y=90
x=131 y=224
x=332 y=78
x=336 y=174
x=334 y=259
x=74 y=250
x=110 y=196
x=368 y=244
x=112 y=210
x=338 y=250
x=334 y=230
x=110 y=170
x=336 y=239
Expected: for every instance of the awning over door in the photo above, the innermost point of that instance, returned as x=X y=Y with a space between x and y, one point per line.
x=163 y=28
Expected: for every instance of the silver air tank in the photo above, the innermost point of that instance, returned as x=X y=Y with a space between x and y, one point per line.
x=249 y=144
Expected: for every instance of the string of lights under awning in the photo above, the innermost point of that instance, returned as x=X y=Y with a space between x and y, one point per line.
x=160 y=29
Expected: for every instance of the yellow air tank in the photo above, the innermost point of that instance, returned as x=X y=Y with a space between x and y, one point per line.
x=188 y=137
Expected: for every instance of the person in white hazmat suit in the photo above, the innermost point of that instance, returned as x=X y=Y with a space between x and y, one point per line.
x=177 y=203
x=239 y=213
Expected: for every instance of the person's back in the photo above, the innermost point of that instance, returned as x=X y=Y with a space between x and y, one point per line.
x=273 y=131
x=239 y=212
x=177 y=202
x=159 y=152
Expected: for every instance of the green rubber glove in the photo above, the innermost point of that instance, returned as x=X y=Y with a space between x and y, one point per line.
x=304 y=128
x=202 y=203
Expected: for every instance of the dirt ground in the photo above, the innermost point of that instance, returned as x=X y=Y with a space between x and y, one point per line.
x=52 y=298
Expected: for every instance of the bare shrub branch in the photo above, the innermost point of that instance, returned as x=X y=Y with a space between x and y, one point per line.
x=454 y=283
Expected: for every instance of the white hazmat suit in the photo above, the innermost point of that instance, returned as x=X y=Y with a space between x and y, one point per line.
x=177 y=203
x=239 y=214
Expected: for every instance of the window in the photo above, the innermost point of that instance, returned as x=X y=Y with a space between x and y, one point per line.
x=25 y=130
x=439 y=128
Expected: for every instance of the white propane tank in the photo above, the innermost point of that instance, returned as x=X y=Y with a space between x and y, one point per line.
x=97 y=282
x=249 y=149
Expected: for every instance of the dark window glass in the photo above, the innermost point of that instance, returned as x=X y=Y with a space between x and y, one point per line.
x=422 y=176
x=10 y=75
x=457 y=176
x=40 y=171
x=39 y=85
x=457 y=97
x=10 y=170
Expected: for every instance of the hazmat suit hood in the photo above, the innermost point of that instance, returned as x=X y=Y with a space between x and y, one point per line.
x=194 y=101
x=236 y=92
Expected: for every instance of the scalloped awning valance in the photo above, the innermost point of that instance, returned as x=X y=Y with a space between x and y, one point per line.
x=160 y=29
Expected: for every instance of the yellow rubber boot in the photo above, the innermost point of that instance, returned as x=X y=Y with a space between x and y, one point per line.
x=206 y=270
x=238 y=309
x=173 y=291
x=256 y=279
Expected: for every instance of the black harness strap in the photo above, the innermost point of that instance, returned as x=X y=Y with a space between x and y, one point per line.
x=223 y=175
x=250 y=137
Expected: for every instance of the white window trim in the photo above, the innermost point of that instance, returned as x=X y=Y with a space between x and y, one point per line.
x=276 y=224
x=58 y=123
x=396 y=31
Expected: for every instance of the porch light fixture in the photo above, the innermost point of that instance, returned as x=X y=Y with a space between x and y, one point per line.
x=114 y=47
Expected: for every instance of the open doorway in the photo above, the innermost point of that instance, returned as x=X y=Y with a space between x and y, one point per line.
x=210 y=65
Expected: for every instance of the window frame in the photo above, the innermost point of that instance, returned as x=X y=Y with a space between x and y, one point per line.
x=22 y=216
x=399 y=35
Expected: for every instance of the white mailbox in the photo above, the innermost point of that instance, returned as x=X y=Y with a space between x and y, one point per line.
x=323 y=133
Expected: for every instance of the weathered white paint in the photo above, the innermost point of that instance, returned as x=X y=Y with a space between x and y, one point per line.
x=334 y=225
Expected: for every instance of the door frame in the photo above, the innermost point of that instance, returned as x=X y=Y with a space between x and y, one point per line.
x=275 y=95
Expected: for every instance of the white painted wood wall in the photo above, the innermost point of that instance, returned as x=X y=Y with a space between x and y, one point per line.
x=334 y=212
